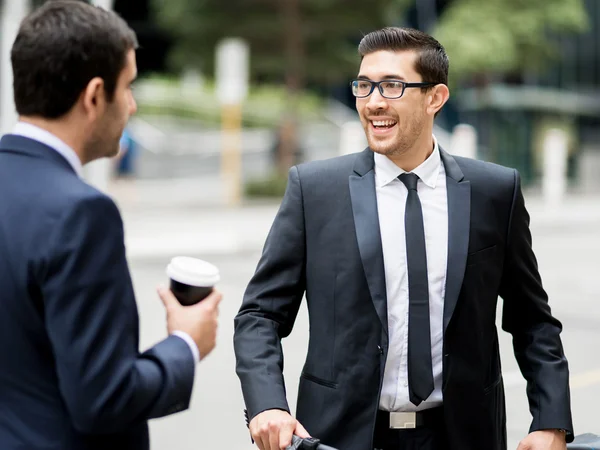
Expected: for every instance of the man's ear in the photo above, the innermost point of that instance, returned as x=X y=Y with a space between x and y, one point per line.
x=437 y=98
x=94 y=98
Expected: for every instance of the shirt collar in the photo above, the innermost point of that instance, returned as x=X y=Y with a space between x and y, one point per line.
x=45 y=137
x=386 y=171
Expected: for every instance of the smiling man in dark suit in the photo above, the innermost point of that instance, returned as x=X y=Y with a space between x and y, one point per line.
x=72 y=377
x=402 y=251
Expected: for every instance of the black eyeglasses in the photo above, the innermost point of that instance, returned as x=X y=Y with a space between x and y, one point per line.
x=387 y=88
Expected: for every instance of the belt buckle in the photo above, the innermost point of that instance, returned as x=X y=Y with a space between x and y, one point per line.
x=403 y=420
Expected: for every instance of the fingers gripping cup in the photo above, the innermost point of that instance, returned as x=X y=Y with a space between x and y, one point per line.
x=192 y=279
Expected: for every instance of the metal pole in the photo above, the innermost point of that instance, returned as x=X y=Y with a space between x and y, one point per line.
x=13 y=12
x=231 y=159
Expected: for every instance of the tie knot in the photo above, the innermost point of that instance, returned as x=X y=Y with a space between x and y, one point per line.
x=410 y=180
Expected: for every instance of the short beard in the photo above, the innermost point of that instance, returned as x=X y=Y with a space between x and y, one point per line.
x=405 y=142
x=400 y=148
x=100 y=147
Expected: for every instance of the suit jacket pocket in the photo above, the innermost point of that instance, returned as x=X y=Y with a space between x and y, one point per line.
x=321 y=381
x=492 y=420
x=481 y=255
x=492 y=386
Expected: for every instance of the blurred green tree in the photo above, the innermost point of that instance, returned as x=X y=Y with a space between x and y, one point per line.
x=321 y=35
x=297 y=42
x=505 y=36
x=302 y=42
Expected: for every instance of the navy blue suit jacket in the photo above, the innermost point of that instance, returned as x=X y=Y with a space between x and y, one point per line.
x=71 y=374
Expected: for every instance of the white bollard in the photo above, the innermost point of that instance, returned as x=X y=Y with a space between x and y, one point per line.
x=98 y=173
x=232 y=80
x=464 y=141
x=13 y=12
x=106 y=4
x=352 y=138
x=554 y=178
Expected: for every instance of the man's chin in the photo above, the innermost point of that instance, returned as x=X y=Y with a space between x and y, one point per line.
x=384 y=150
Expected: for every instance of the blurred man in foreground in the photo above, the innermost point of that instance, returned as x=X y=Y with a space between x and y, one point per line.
x=72 y=376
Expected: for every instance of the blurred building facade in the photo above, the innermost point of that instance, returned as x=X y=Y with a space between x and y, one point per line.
x=512 y=113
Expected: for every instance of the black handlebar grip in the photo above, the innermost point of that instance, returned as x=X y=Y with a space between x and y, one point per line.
x=307 y=444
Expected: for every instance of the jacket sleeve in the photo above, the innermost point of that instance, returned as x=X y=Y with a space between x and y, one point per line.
x=536 y=333
x=270 y=306
x=92 y=323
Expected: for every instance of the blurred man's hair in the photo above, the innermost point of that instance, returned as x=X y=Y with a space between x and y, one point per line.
x=60 y=48
x=432 y=62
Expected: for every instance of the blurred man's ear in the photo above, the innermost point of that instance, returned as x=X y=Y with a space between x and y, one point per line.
x=93 y=98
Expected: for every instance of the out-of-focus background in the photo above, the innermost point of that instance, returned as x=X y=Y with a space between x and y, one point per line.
x=232 y=93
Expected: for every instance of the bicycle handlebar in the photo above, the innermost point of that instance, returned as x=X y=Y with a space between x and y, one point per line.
x=307 y=444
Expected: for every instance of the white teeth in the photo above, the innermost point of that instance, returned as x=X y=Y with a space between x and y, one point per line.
x=383 y=123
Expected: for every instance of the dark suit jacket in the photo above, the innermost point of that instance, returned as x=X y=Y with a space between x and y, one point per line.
x=325 y=241
x=71 y=375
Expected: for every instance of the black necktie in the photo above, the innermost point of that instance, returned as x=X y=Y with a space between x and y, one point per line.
x=420 y=371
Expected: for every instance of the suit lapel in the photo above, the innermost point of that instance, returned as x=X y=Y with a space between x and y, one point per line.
x=366 y=222
x=459 y=217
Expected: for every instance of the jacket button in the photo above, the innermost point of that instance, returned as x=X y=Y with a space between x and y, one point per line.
x=380 y=349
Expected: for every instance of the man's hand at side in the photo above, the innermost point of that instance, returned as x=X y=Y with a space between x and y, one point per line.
x=544 y=440
x=273 y=429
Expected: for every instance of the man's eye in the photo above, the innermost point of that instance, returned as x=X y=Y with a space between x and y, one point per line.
x=393 y=85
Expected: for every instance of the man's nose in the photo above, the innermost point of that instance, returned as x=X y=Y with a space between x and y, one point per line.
x=132 y=107
x=376 y=100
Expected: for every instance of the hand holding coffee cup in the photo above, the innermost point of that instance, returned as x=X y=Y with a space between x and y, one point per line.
x=192 y=279
x=199 y=321
x=192 y=303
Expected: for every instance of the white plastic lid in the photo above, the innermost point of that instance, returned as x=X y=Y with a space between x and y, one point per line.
x=193 y=271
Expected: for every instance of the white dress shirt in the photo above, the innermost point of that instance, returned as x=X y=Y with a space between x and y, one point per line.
x=45 y=137
x=391 y=203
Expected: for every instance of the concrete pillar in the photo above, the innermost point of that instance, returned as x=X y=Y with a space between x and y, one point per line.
x=12 y=13
x=464 y=141
x=352 y=138
x=106 y=4
x=554 y=178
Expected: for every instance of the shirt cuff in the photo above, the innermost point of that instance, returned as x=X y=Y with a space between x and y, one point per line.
x=190 y=342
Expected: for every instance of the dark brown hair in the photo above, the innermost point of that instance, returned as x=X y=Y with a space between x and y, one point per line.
x=60 y=48
x=432 y=61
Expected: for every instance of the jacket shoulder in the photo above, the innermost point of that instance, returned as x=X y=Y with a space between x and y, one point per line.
x=71 y=192
x=482 y=171
x=332 y=167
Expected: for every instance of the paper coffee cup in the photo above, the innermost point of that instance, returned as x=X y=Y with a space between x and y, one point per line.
x=192 y=279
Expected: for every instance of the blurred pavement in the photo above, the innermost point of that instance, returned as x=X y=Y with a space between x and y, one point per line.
x=167 y=216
